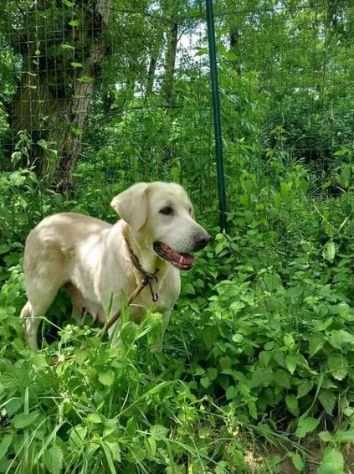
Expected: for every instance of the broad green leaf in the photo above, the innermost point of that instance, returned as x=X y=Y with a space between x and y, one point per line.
x=344 y=310
x=151 y=447
x=282 y=379
x=348 y=411
x=212 y=373
x=225 y=362
x=109 y=458
x=221 y=468
x=332 y=462
x=262 y=377
x=292 y=404
x=338 y=366
x=328 y=400
x=305 y=426
x=23 y=420
x=107 y=378
x=199 y=371
x=209 y=336
x=252 y=407
x=94 y=418
x=279 y=358
x=345 y=436
x=159 y=432
x=231 y=392
x=269 y=346
x=238 y=338
x=304 y=388
x=115 y=450
x=340 y=338
x=291 y=361
x=323 y=325
x=236 y=307
x=297 y=461
x=289 y=341
x=131 y=427
x=205 y=382
x=74 y=23
x=316 y=343
x=345 y=176
x=4 y=248
x=326 y=437
x=78 y=435
x=329 y=251
x=265 y=357
x=54 y=459
x=5 y=444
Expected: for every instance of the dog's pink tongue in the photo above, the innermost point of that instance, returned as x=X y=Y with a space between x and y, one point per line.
x=185 y=260
x=180 y=259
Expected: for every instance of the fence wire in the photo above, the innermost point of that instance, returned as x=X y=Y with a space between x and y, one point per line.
x=98 y=95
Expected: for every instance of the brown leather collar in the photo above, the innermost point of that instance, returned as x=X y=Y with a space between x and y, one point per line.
x=149 y=279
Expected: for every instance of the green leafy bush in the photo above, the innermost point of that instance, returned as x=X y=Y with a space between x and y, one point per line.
x=261 y=344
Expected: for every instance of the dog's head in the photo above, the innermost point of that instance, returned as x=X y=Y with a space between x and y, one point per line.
x=161 y=215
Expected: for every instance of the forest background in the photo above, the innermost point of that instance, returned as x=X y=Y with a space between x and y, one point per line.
x=257 y=369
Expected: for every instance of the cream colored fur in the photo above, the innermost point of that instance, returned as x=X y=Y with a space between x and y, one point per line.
x=90 y=258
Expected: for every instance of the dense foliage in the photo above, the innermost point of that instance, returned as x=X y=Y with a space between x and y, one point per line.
x=256 y=374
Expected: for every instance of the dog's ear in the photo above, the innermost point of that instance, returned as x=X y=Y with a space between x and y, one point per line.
x=132 y=206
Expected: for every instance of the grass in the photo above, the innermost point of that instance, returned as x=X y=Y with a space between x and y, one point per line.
x=256 y=373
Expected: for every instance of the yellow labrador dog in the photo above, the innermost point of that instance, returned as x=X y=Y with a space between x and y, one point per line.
x=101 y=265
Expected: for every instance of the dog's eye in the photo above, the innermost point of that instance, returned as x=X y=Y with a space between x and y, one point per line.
x=167 y=211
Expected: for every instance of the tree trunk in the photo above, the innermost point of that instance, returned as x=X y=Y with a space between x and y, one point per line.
x=169 y=79
x=70 y=150
x=58 y=82
x=234 y=47
x=151 y=74
x=170 y=64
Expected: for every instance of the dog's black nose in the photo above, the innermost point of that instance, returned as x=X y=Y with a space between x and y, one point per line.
x=201 y=241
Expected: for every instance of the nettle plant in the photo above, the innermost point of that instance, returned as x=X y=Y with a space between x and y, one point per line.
x=274 y=342
x=261 y=344
x=100 y=406
x=278 y=357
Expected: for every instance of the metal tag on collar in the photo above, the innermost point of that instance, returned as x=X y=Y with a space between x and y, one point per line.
x=155 y=297
x=154 y=294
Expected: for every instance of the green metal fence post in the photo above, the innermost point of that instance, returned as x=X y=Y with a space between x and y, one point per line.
x=216 y=113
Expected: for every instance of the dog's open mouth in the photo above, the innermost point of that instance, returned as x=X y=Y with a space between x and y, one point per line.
x=183 y=261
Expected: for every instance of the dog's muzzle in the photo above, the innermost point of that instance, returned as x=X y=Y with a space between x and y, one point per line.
x=201 y=241
x=180 y=260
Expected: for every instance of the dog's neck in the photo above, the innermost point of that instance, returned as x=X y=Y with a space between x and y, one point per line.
x=148 y=260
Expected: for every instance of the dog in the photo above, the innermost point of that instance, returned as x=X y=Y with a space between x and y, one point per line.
x=102 y=266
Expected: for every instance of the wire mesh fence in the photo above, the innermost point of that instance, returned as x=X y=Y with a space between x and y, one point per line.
x=100 y=94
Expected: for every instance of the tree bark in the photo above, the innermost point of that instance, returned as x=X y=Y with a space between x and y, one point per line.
x=58 y=82
x=168 y=89
x=170 y=64
x=151 y=74
x=70 y=149
x=234 y=47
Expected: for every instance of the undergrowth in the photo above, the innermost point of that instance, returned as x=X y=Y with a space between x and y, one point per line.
x=256 y=369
